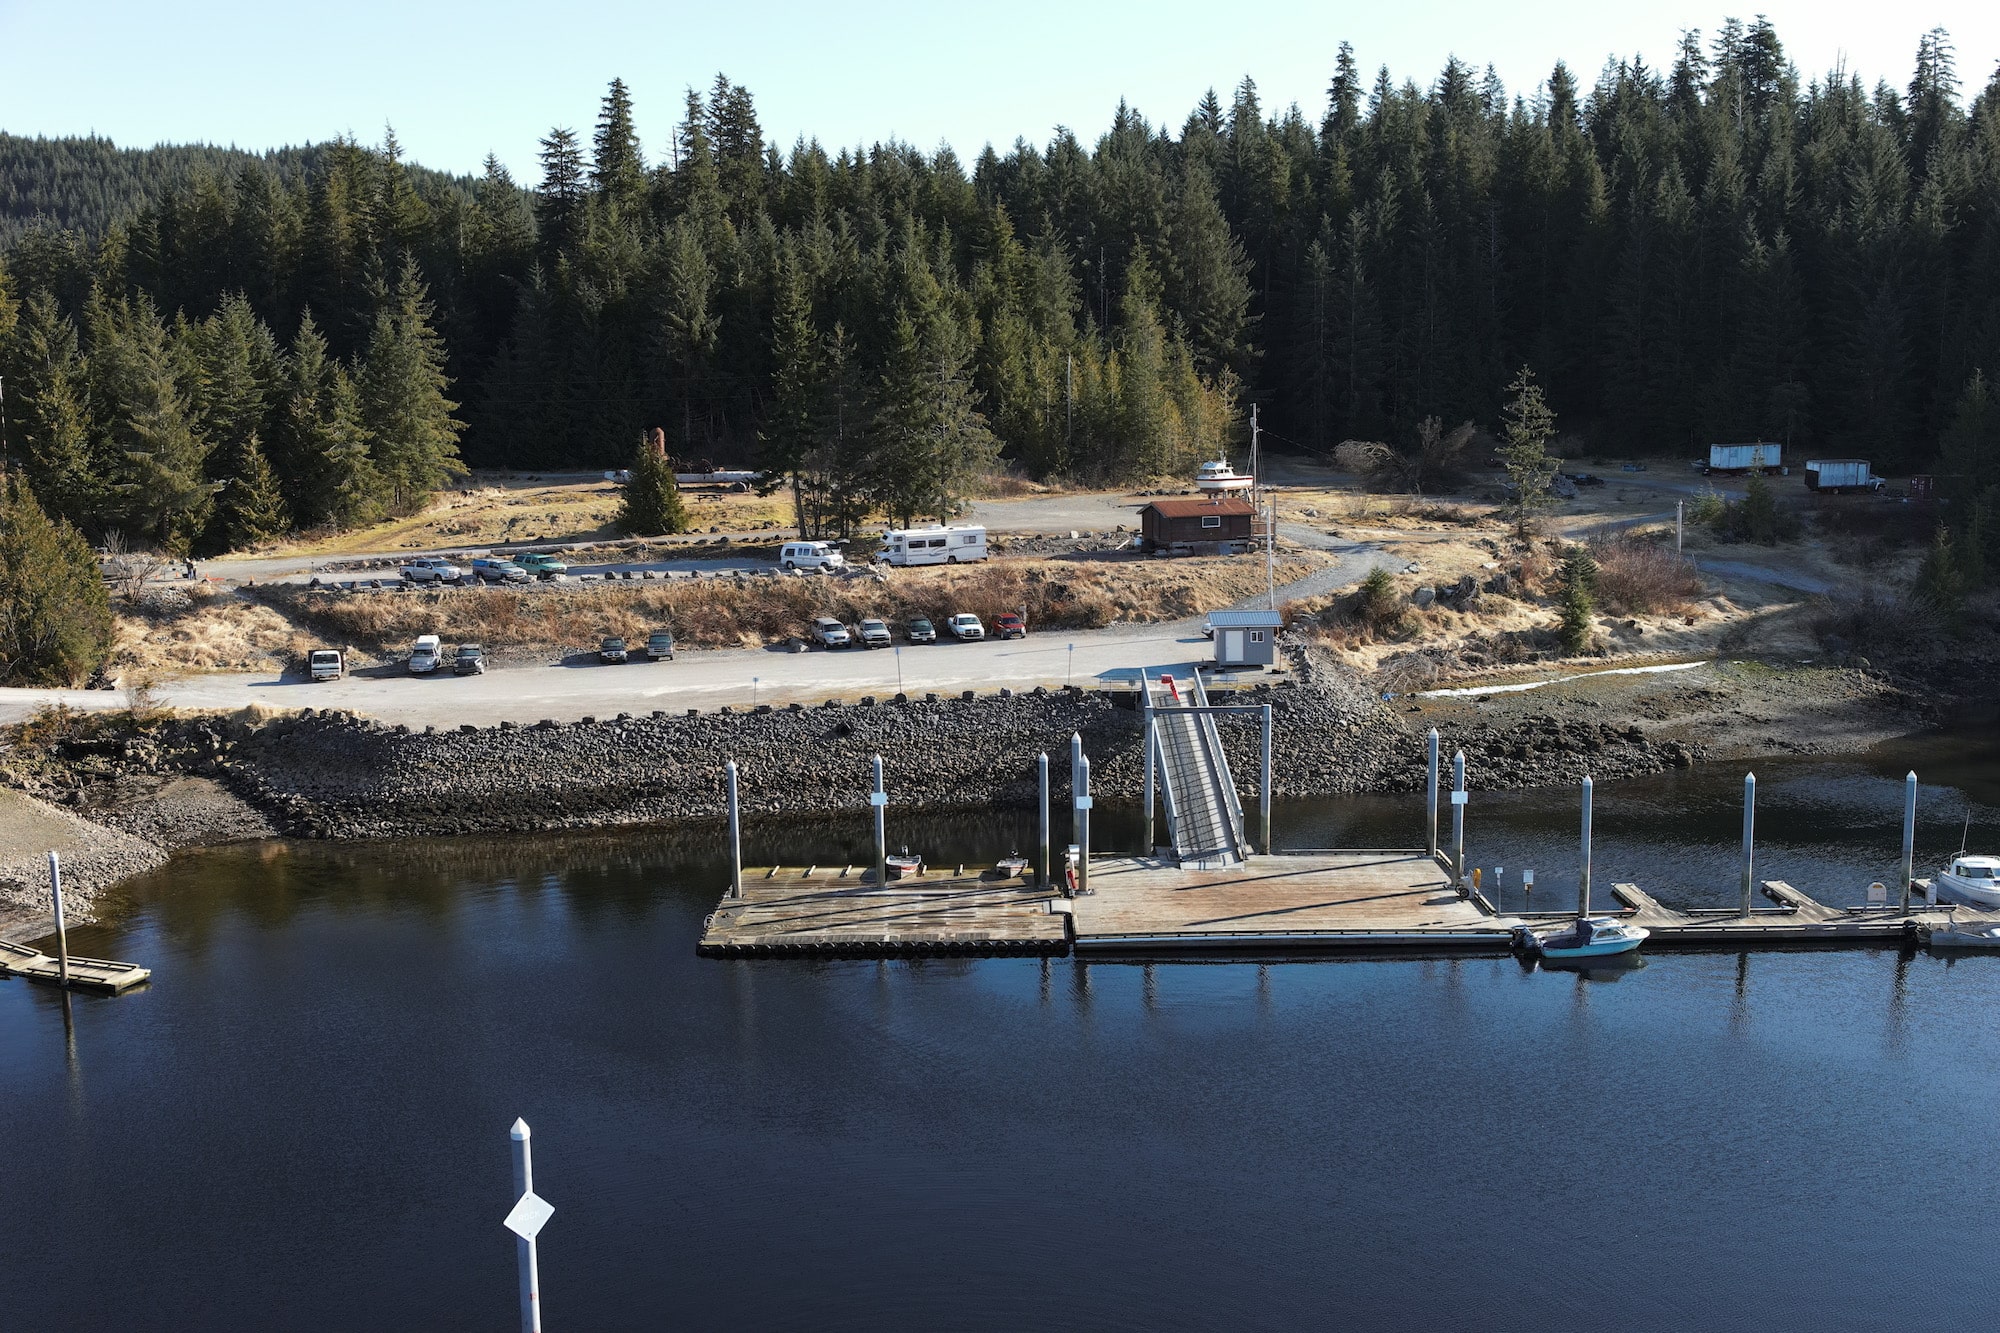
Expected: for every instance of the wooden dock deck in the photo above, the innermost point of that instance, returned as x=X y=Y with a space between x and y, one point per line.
x=1365 y=899
x=1387 y=901
x=91 y=974
x=794 y=912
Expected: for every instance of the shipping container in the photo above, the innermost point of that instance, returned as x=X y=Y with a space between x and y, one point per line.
x=1841 y=474
x=1743 y=457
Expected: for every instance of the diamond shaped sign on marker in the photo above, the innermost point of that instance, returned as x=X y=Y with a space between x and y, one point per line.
x=530 y=1215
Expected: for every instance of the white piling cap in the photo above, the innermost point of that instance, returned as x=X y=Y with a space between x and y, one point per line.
x=520 y=1130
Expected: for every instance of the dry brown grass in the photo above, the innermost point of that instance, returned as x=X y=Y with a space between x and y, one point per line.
x=202 y=628
x=1639 y=573
x=748 y=612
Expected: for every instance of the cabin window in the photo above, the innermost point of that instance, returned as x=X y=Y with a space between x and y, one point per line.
x=938 y=542
x=1211 y=520
x=966 y=540
x=1256 y=636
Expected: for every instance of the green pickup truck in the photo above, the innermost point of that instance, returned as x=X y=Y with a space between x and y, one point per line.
x=540 y=564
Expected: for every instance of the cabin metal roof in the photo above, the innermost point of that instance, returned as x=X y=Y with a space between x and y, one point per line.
x=1221 y=504
x=1245 y=620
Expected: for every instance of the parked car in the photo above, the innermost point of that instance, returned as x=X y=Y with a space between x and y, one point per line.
x=920 y=630
x=326 y=664
x=611 y=650
x=427 y=656
x=470 y=660
x=540 y=564
x=1007 y=625
x=659 y=646
x=966 y=627
x=1585 y=478
x=811 y=555
x=830 y=633
x=431 y=569
x=498 y=571
x=874 y=634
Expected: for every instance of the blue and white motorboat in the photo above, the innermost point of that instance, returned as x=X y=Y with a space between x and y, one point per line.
x=1972 y=880
x=1591 y=937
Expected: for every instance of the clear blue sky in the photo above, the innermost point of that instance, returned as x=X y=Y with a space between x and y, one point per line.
x=459 y=80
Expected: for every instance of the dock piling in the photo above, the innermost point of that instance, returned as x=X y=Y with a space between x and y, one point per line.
x=1583 y=884
x=62 y=928
x=879 y=798
x=735 y=836
x=525 y=1225
x=1431 y=804
x=1749 y=838
x=1458 y=817
x=1909 y=834
x=1042 y=770
x=1264 y=786
x=1082 y=820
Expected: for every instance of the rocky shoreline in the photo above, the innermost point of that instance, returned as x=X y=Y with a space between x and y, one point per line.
x=173 y=782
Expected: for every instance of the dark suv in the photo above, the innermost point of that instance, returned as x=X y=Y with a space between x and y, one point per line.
x=470 y=660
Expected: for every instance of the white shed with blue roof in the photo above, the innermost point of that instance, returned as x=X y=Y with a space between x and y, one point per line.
x=1245 y=638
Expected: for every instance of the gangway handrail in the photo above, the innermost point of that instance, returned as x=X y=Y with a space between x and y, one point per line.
x=1218 y=769
x=1158 y=741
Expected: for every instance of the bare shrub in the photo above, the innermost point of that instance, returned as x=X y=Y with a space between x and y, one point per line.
x=1872 y=625
x=1638 y=573
x=130 y=570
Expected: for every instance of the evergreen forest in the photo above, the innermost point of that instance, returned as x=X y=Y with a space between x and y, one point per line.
x=209 y=350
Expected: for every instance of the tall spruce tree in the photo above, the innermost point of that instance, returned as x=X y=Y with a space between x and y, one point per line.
x=652 y=504
x=412 y=434
x=1528 y=426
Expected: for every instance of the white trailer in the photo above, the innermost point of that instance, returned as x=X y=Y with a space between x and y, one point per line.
x=934 y=545
x=1742 y=458
x=1841 y=474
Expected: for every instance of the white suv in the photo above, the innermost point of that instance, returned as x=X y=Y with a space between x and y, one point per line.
x=431 y=569
x=965 y=626
x=810 y=555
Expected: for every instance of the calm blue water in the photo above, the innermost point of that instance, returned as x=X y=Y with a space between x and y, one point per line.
x=301 y=1124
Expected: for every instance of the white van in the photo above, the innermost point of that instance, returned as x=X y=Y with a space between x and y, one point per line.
x=810 y=555
x=933 y=545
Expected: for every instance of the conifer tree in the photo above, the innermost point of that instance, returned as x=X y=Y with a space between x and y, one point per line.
x=164 y=492
x=559 y=203
x=55 y=616
x=1941 y=583
x=48 y=414
x=688 y=324
x=325 y=472
x=1579 y=599
x=652 y=506
x=412 y=434
x=617 y=170
x=249 y=509
x=1528 y=427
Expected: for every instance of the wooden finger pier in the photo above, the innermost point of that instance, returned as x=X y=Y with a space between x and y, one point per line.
x=1229 y=899
x=64 y=969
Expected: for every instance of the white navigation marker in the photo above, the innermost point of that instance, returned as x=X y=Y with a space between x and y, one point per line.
x=530 y=1214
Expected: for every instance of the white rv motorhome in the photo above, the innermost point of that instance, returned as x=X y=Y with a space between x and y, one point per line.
x=933 y=545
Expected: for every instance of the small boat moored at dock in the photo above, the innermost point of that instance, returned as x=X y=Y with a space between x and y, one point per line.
x=1590 y=937
x=1972 y=880
x=1961 y=935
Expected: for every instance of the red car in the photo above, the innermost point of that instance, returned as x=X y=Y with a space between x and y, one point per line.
x=1009 y=626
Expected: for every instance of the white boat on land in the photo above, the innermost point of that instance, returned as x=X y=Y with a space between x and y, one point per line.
x=1972 y=880
x=1220 y=477
x=1591 y=937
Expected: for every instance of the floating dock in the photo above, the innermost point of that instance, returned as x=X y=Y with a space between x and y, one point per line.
x=794 y=912
x=1292 y=902
x=91 y=974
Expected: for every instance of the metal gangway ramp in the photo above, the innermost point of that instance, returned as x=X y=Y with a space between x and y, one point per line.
x=1204 y=816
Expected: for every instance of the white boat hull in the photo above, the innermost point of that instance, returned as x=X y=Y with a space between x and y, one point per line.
x=1225 y=484
x=1973 y=893
x=1633 y=937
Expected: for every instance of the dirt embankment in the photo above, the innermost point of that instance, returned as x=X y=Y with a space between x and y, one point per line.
x=266 y=628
